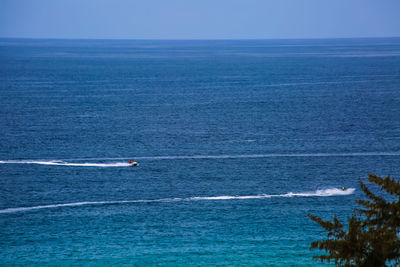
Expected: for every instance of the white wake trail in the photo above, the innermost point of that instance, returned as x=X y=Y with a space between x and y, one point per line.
x=62 y=163
x=318 y=193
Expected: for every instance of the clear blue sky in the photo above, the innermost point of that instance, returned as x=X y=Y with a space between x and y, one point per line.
x=199 y=19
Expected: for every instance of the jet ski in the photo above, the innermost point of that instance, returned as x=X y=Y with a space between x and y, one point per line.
x=133 y=163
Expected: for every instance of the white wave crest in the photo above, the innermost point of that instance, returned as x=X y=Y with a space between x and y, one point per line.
x=318 y=193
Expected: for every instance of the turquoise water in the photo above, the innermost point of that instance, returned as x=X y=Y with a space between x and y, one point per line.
x=236 y=142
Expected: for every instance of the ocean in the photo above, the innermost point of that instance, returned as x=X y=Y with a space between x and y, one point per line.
x=236 y=140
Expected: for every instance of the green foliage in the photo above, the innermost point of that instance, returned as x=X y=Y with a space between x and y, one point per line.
x=372 y=237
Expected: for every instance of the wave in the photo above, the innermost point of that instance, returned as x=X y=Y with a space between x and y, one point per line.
x=318 y=193
x=62 y=163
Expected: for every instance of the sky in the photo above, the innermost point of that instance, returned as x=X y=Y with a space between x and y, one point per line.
x=199 y=19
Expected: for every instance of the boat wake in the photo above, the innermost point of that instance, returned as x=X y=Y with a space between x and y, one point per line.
x=63 y=163
x=318 y=193
x=272 y=155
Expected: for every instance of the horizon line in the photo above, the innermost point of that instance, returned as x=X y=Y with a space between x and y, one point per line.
x=198 y=39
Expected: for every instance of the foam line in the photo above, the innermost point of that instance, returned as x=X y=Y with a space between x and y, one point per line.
x=318 y=193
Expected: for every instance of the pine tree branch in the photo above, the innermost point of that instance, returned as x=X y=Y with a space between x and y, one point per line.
x=390 y=185
x=372 y=236
x=369 y=194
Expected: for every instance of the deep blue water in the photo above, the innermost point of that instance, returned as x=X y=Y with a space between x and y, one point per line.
x=236 y=140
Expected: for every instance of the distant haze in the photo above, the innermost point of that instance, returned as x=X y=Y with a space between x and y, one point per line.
x=202 y=19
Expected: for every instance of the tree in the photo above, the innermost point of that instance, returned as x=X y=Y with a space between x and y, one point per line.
x=372 y=236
